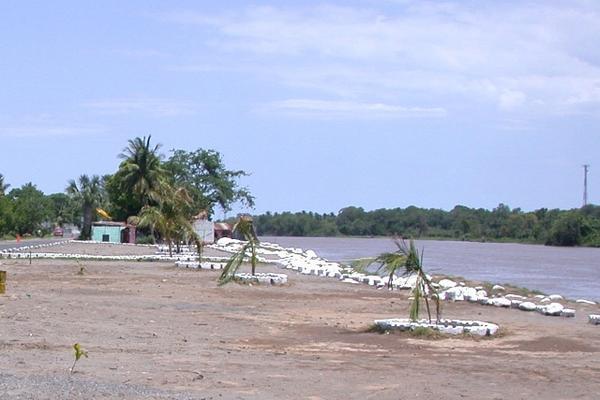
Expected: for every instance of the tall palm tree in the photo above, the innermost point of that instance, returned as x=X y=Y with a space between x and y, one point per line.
x=407 y=258
x=245 y=227
x=141 y=171
x=3 y=186
x=90 y=193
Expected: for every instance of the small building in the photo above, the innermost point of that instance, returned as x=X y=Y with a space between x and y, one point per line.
x=222 y=229
x=113 y=232
x=204 y=229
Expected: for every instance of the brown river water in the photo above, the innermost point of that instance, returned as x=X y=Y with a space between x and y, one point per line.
x=571 y=272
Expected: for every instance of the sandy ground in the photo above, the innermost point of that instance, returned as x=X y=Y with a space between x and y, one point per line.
x=156 y=331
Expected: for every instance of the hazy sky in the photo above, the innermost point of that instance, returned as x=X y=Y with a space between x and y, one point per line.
x=327 y=104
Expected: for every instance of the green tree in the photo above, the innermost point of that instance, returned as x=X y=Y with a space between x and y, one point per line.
x=141 y=172
x=89 y=194
x=567 y=230
x=170 y=218
x=30 y=209
x=209 y=182
x=3 y=186
x=64 y=209
x=6 y=216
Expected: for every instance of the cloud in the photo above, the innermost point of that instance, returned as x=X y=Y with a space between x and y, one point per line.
x=158 y=107
x=535 y=57
x=327 y=108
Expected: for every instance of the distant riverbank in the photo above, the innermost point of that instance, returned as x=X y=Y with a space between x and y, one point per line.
x=576 y=227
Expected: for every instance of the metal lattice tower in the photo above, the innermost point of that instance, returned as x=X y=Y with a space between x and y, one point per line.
x=586 y=168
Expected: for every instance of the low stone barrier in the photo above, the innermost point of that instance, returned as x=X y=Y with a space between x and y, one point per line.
x=202 y=265
x=451 y=327
x=268 y=278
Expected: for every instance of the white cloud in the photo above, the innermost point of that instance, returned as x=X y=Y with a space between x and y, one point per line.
x=327 y=108
x=158 y=107
x=537 y=57
x=510 y=99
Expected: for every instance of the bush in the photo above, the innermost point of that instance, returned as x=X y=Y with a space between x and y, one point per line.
x=144 y=240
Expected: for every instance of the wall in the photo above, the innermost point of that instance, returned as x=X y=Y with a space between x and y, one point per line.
x=114 y=233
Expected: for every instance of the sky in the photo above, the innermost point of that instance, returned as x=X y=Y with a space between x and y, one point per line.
x=377 y=104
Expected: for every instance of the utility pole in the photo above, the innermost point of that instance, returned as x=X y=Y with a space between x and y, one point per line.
x=586 y=168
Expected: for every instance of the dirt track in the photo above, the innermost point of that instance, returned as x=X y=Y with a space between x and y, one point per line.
x=155 y=331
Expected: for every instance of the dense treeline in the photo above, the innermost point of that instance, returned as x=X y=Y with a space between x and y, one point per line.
x=553 y=227
x=160 y=196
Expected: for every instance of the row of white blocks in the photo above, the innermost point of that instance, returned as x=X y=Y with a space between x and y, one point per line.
x=451 y=327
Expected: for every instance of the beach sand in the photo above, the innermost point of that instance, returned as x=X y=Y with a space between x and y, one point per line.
x=153 y=330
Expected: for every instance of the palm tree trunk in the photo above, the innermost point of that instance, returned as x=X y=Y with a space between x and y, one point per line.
x=87 y=222
x=253 y=259
x=425 y=294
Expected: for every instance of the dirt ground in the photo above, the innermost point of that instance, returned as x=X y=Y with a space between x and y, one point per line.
x=156 y=331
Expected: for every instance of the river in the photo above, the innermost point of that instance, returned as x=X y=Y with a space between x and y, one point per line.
x=572 y=272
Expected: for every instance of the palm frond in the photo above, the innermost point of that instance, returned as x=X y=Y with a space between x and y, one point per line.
x=233 y=264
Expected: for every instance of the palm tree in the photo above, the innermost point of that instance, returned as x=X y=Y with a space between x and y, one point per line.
x=90 y=193
x=141 y=171
x=170 y=217
x=245 y=227
x=408 y=258
x=3 y=186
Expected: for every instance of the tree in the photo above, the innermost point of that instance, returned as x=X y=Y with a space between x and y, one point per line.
x=567 y=230
x=245 y=227
x=30 y=209
x=209 y=182
x=141 y=171
x=408 y=258
x=170 y=218
x=3 y=186
x=6 y=209
x=89 y=193
x=64 y=209
x=6 y=216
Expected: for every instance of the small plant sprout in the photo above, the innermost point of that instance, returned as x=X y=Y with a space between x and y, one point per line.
x=79 y=352
x=81 y=268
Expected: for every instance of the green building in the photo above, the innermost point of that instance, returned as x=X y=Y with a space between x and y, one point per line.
x=113 y=232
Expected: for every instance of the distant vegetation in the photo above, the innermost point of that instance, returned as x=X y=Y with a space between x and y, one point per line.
x=160 y=195
x=578 y=227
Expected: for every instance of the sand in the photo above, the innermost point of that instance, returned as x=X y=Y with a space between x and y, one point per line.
x=156 y=331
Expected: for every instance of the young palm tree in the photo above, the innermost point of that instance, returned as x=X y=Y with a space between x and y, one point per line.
x=244 y=227
x=90 y=193
x=170 y=218
x=141 y=171
x=408 y=259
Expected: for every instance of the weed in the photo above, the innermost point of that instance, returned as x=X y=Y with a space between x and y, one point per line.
x=79 y=352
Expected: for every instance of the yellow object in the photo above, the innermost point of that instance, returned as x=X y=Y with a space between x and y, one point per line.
x=2 y=282
x=102 y=213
